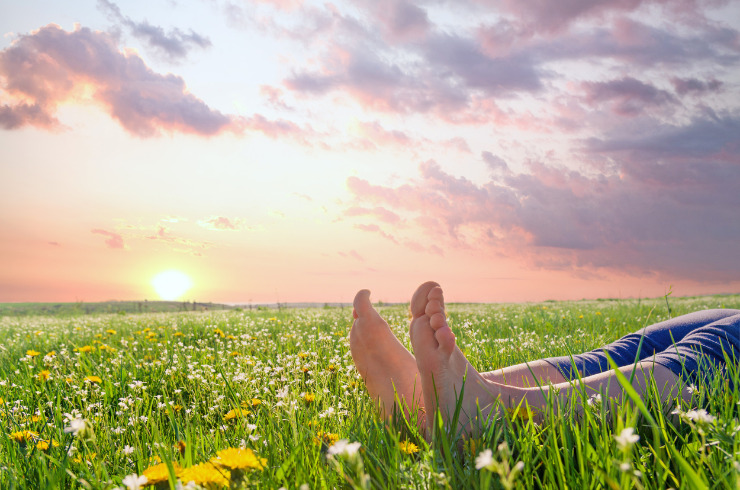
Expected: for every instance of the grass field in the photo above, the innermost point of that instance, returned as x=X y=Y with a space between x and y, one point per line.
x=270 y=399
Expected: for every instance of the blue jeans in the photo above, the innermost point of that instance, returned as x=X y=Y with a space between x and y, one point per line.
x=692 y=346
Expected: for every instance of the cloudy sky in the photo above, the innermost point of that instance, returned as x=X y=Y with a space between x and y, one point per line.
x=297 y=150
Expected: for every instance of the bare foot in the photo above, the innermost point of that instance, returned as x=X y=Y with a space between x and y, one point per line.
x=442 y=365
x=386 y=366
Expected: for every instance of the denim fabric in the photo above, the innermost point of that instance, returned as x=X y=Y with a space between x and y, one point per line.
x=693 y=345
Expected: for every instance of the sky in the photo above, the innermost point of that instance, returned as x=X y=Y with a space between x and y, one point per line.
x=300 y=150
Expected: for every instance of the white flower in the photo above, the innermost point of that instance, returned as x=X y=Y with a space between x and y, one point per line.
x=190 y=486
x=594 y=400
x=134 y=481
x=128 y=450
x=344 y=448
x=75 y=426
x=328 y=413
x=484 y=460
x=626 y=438
x=700 y=416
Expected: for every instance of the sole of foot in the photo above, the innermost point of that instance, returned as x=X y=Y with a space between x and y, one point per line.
x=387 y=367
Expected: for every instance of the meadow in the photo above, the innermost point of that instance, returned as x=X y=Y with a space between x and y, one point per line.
x=271 y=399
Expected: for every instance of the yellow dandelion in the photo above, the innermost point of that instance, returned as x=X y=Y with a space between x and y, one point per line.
x=328 y=438
x=178 y=334
x=521 y=413
x=219 y=332
x=309 y=398
x=159 y=473
x=302 y=355
x=43 y=375
x=85 y=349
x=32 y=353
x=206 y=475
x=305 y=369
x=235 y=354
x=408 y=447
x=68 y=379
x=231 y=337
x=24 y=436
x=110 y=331
x=42 y=445
x=176 y=408
x=237 y=412
x=239 y=459
x=93 y=379
x=90 y=458
x=331 y=368
x=51 y=354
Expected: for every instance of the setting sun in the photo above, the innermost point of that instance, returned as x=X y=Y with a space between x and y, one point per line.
x=171 y=284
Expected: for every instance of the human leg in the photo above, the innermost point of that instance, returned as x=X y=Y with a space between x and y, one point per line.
x=638 y=345
x=526 y=374
x=448 y=379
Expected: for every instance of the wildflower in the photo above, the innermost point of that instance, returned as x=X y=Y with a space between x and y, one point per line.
x=43 y=375
x=24 y=436
x=237 y=412
x=327 y=413
x=51 y=354
x=219 y=332
x=128 y=450
x=43 y=445
x=408 y=447
x=93 y=379
x=344 y=448
x=206 y=475
x=309 y=398
x=594 y=400
x=484 y=460
x=331 y=368
x=521 y=413
x=80 y=428
x=253 y=403
x=32 y=353
x=235 y=354
x=626 y=438
x=85 y=349
x=700 y=416
x=134 y=481
x=327 y=438
x=239 y=458
x=180 y=447
x=160 y=473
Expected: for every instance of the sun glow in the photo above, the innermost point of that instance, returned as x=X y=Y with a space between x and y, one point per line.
x=171 y=284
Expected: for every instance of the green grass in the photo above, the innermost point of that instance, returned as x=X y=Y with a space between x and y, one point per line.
x=167 y=378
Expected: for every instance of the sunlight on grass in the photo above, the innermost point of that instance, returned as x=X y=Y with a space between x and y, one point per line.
x=270 y=399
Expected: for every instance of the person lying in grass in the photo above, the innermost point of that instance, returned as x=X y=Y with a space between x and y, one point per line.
x=672 y=353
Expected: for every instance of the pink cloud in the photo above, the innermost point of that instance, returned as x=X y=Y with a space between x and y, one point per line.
x=174 y=44
x=401 y=20
x=626 y=96
x=114 y=240
x=669 y=206
x=379 y=213
x=51 y=66
x=221 y=223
